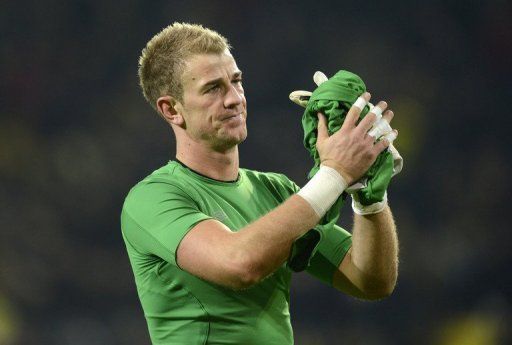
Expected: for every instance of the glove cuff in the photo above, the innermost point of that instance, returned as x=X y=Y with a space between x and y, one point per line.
x=363 y=210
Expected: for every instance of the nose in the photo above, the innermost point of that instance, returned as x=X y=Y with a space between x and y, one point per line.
x=234 y=97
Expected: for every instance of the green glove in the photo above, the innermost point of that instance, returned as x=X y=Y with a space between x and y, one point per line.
x=377 y=180
x=333 y=98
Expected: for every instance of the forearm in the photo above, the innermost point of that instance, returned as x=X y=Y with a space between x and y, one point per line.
x=374 y=253
x=265 y=244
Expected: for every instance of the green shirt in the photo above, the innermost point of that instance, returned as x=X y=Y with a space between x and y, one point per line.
x=181 y=308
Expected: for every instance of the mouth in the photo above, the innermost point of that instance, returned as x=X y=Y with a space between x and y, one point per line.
x=235 y=116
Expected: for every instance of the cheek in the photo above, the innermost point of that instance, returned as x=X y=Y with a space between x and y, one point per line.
x=245 y=107
x=199 y=115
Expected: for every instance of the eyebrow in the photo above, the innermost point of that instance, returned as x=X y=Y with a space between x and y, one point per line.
x=212 y=82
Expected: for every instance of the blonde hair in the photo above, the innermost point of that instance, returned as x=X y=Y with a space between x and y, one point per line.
x=162 y=61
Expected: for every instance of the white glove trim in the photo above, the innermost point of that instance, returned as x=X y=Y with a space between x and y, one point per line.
x=363 y=210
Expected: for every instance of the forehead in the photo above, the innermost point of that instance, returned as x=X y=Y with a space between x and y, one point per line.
x=204 y=67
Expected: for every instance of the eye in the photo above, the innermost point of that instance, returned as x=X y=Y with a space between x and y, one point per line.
x=238 y=83
x=212 y=88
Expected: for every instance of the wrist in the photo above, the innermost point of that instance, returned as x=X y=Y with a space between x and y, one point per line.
x=322 y=191
x=363 y=210
x=346 y=177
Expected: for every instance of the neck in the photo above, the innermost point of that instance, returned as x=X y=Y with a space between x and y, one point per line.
x=217 y=165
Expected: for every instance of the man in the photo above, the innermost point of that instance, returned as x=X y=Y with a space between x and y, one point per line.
x=209 y=242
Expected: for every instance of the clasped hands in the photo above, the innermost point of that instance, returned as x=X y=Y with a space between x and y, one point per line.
x=354 y=150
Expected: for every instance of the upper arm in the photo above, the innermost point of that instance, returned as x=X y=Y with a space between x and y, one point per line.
x=160 y=219
x=332 y=262
x=332 y=249
x=207 y=251
x=156 y=217
x=343 y=277
x=349 y=279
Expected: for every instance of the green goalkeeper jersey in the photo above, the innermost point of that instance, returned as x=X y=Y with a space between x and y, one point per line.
x=181 y=308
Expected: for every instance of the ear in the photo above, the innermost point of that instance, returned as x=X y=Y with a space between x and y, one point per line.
x=170 y=109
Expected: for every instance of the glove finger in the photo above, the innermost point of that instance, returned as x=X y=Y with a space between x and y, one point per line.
x=391 y=136
x=300 y=97
x=319 y=78
x=398 y=161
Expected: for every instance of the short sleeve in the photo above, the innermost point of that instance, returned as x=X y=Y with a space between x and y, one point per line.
x=320 y=250
x=333 y=246
x=156 y=216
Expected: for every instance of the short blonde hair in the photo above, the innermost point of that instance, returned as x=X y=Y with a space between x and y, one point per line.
x=162 y=61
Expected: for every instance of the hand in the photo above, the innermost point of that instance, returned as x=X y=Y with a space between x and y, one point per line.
x=301 y=98
x=351 y=151
x=371 y=197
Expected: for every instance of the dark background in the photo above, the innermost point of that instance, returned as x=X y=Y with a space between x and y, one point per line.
x=76 y=134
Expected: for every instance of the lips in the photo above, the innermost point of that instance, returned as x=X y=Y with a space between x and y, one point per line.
x=231 y=116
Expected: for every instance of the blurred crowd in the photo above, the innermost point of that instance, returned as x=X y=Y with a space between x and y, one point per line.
x=76 y=135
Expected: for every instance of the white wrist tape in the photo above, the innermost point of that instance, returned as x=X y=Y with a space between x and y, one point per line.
x=363 y=210
x=322 y=191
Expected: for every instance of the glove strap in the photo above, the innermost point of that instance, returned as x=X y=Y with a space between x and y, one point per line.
x=363 y=210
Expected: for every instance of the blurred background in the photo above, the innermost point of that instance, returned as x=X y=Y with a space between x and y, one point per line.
x=76 y=135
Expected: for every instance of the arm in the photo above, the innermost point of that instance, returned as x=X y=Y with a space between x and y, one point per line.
x=370 y=268
x=238 y=260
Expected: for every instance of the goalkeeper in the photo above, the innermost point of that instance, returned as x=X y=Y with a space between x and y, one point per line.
x=212 y=245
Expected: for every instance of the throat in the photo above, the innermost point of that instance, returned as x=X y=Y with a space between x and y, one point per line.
x=200 y=174
x=213 y=165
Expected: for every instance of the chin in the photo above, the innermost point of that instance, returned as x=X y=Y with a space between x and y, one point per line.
x=235 y=134
x=230 y=141
x=235 y=140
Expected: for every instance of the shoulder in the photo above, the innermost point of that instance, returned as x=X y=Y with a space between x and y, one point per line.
x=163 y=183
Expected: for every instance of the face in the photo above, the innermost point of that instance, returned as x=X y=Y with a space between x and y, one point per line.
x=214 y=106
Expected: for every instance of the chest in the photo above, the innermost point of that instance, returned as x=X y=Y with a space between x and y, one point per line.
x=237 y=206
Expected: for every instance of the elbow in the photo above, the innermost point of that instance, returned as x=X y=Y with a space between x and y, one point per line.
x=244 y=273
x=379 y=289
x=244 y=282
x=378 y=294
x=243 y=279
